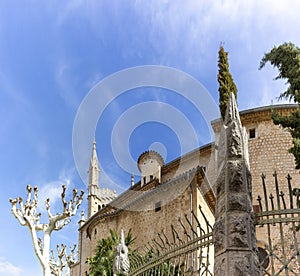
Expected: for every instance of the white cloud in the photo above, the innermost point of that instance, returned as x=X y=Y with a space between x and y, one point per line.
x=8 y=269
x=53 y=190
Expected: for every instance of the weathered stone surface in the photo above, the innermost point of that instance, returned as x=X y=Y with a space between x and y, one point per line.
x=234 y=141
x=221 y=208
x=220 y=184
x=220 y=266
x=239 y=202
x=242 y=265
x=238 y=230
x=234 y=232
x=236 y=177
x=219 y=235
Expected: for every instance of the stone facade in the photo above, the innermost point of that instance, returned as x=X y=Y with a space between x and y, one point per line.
x=149 y=207
x=268 y=148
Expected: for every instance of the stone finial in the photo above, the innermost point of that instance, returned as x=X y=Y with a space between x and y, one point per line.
x=82 y=219
x=121 y=263
x=132 y=180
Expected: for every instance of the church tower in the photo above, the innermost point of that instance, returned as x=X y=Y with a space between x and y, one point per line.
x=97 y=198
x=150 y=164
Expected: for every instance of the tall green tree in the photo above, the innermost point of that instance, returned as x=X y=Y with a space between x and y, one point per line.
x=226 y=83
x=101 y=264
x=286 y=58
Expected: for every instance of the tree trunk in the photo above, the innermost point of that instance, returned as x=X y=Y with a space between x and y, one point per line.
x=46 y=251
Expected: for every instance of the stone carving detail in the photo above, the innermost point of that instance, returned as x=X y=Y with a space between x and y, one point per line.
x=234 y=231
x=121 y=262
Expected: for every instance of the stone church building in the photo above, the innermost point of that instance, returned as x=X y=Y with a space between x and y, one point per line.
x=169 y=191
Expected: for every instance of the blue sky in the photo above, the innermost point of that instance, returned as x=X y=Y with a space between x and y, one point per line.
x=52 y=53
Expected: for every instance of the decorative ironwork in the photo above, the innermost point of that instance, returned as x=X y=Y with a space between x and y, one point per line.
x=279 y=213
x=183 y=251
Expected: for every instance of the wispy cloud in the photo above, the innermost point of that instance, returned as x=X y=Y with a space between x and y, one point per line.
x=65 y=80
x=53 y=190
x=9 y=269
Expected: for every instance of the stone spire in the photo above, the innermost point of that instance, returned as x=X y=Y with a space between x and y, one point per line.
x=94 y=168
x=97 y=198
x=93 y=188
x=234 y=231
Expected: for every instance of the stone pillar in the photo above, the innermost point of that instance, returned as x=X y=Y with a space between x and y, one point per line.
x=234 y=231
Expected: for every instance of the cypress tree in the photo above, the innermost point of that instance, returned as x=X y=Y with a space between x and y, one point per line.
x=226 y=83
x=286 y=58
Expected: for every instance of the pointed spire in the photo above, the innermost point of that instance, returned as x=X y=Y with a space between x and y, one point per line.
x=82 y=219
x=94 y=157
x=94 y=167
x=232 y=112
x=235 y=145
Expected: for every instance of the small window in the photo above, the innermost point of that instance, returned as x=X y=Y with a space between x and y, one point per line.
x=252 y=133
x=151 y=177
x=95 y=231
x=144 y=179
x=157 y=206
x=99 y=207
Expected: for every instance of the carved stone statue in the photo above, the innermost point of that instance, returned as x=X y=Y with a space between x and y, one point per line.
x=121 y=262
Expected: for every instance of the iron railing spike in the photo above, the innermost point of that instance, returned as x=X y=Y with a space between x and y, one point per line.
x=164 y=246
x=166 y=238
x=259 y=203
x=265 y=192
x=190 y=224
x=290 y=191
x=198 y=222
x=184 y=229
x=177 y=236
x=157 y=243
x=208 y=226
x=173 y=234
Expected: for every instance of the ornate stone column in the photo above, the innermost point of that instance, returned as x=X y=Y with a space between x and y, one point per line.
x=234 y=231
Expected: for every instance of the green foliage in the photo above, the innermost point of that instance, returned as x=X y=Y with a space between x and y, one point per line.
x=226 y=83
x=101 y=264
x=286 y=58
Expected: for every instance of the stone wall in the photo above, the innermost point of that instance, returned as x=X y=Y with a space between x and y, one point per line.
x=144 y=224
x=268 y=151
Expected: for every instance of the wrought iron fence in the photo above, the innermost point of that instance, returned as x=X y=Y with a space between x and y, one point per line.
x=187 y=250
x=277 y=222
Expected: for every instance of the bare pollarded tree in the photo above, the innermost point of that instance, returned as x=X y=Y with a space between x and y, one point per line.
x=27 y=215
x=63 y=260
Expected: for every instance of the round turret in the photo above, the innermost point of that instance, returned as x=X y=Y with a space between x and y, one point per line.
x=149 y=164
